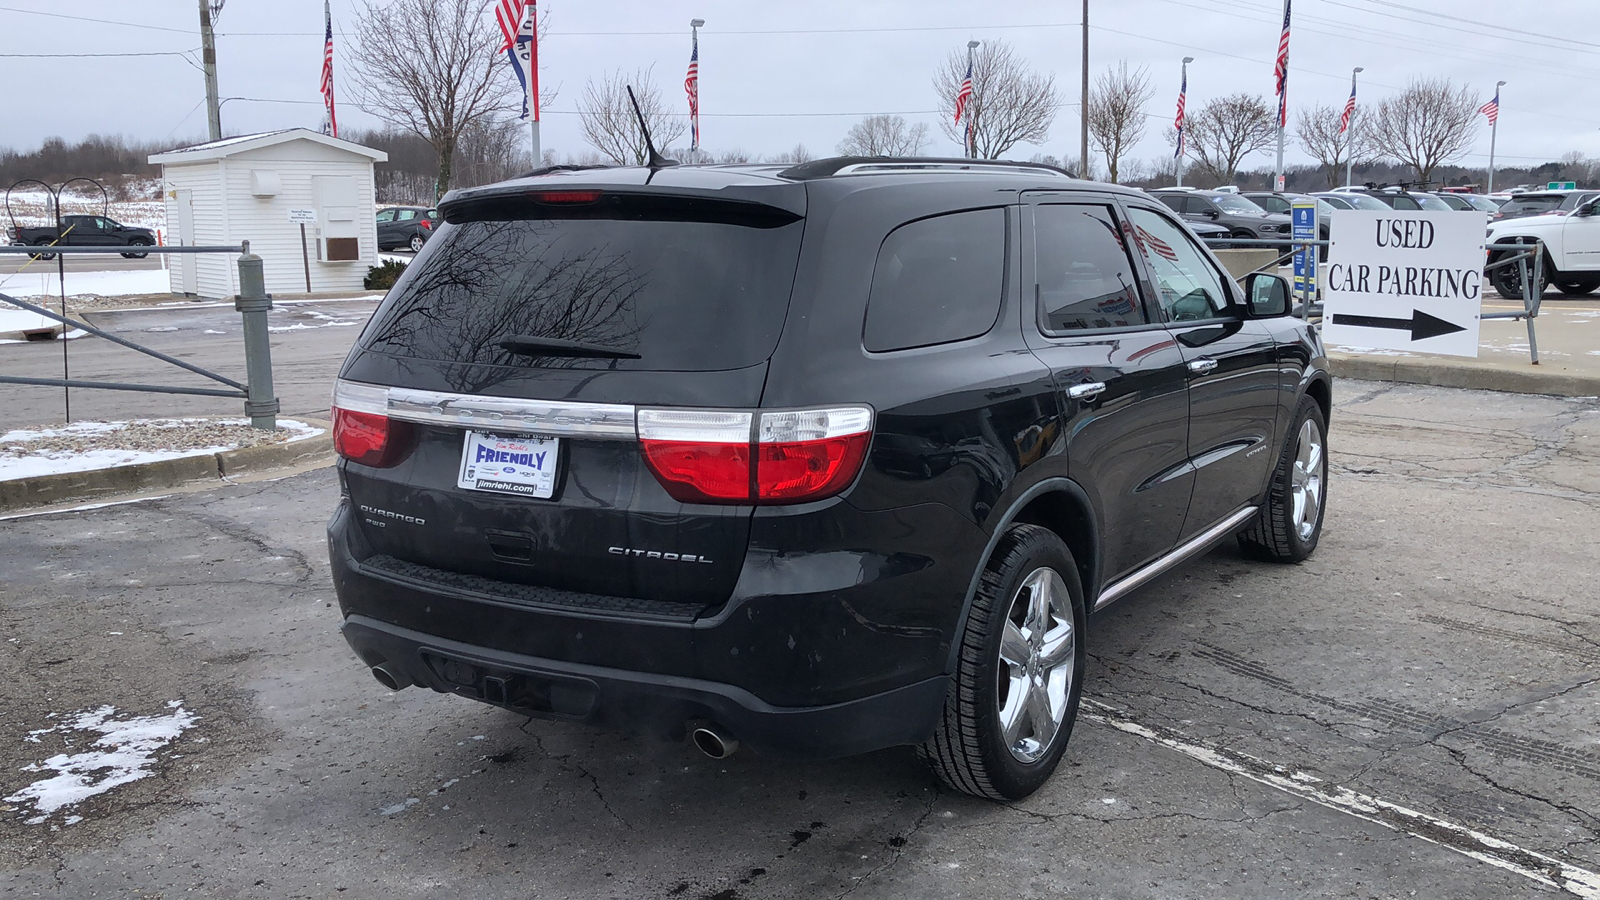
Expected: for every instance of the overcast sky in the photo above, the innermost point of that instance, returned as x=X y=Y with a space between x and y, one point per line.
x=831 y=63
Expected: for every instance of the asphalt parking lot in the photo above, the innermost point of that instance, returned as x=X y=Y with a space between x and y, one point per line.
x=1410 y=713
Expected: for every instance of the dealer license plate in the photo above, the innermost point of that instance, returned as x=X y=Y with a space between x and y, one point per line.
x=509 y=464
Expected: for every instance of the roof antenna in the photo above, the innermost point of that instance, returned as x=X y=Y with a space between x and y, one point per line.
x=657 y=161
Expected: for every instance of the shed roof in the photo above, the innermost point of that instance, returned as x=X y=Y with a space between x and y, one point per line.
x=230 y=146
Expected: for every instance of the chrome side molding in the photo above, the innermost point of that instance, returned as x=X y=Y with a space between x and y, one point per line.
x=1189 y=549
x=553 y=417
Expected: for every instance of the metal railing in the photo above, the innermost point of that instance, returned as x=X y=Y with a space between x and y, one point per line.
x=253 y=302
x=1527 y=257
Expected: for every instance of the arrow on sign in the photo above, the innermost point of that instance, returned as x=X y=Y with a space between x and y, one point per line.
x=1421 y=325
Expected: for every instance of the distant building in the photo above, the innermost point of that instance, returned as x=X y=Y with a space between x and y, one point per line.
x=243 y=188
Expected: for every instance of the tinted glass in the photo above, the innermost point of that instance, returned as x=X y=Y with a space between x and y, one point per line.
x=1400 y=202
x=937 y=280
x=1454 y=202
x=1482 y=204
x=1085 y=276
x=1337 y=202
x=405 y=215
x=1175 y=201
x=1525 y=205
x=1191 y=289
x=1429 y=201
x=685 y=296
x=386 y=215
x=1240 y=205
x=1271 y=203
x=1363 y=201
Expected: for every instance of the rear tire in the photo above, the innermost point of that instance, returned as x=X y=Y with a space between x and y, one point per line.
x=1578 y=287
x=1019 y=672
x=137 y=242
x=1508 y=279
x=417 y=241
x=1290 y=523
x=42 y=242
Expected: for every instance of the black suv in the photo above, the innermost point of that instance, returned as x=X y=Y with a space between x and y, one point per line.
x=1243 y=217
x=821 y=460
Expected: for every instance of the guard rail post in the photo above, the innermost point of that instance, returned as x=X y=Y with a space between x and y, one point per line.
x=253 y=301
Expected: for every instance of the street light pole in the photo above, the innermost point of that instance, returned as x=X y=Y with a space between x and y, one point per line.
x=1494 y=132
x=1083 y=149
x=1183 y=101
x=1350 y=148
x=971 y=138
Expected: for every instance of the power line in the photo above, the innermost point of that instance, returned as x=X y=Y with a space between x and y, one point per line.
x=184 y=55
x=34 y=12
x=1491 y=25
x=745 y=33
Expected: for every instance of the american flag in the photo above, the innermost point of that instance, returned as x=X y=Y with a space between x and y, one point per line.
x=1183 y=93
x=519 y=28
x=1492 y=108
x=509 y=14
x=691 y=86
x=1281 y=70
x=964 y=94
x=1349 y=109
x=1161 y=248
x=332 y=125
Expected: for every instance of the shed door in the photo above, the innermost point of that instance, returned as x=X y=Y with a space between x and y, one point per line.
x=336 y=195
x=188 y=277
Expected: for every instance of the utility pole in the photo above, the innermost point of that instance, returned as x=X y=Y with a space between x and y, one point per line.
x=1183 y=114
x=1083 y=124
x=208 y=56
x=1494 y=132
x=1350 y=149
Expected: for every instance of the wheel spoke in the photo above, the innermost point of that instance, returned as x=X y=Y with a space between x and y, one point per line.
x=1015 y=712
x=1042 y=715
x=1014 y=648
x=1058 y=646
x=1039 y=602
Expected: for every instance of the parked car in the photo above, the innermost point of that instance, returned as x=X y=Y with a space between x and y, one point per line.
x=1571 y=250
x=406 y=227
x=86 y=231
x=1216 y=236
x=1544 y=203
x=1276 y=202
x=1468 y=202
x=1403 y=199
x=1343 y=199
x=808 y=460
x=1243 y=218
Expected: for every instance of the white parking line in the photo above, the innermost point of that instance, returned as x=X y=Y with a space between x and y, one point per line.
x=1538 y=867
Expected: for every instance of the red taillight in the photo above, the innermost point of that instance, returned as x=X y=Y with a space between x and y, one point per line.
x=565 y=196
x=362 y=430
x=710 y=456
x=427 y=224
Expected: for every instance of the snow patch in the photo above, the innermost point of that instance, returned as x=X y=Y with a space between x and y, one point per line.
x=29 y=283
x=124 y=752
x=49 y=463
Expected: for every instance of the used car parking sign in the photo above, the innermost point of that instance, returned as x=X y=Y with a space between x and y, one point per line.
x=1404 y=280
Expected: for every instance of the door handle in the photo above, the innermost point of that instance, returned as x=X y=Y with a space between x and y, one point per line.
x=1087 y=391
x=1202 y=365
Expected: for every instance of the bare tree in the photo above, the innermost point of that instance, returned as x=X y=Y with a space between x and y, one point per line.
x=1226 y=130
x=610 y=126
x=430 y=67
x=1429 y=123
x=1116 y=112
x=796 y=155
x=1318 y=130
x=884 y=136
x=1011 y=104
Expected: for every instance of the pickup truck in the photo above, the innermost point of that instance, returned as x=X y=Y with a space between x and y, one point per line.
x=87 y=231
x=1571 y=245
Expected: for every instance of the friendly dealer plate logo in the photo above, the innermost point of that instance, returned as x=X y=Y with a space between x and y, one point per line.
x=1405 y=281
x=509 y=464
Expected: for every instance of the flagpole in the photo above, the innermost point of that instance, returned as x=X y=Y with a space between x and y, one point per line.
x=531 y=22
x=694 y=143
x=1350 y=148
x=1283 y=101
x=1183 y=91
x=970 y=139
x=1494 y=132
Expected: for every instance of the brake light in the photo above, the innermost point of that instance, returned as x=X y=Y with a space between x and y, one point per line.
x=427 y=224
x=710 y=456
x=565 y=196
x=362 y=430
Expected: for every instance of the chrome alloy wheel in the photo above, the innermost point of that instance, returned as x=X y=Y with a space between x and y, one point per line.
x=1038 y=655
x=1305 y=481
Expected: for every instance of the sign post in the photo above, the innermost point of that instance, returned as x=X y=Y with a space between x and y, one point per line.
x=1408 y=281
x=1304 y=215
x=304 y=217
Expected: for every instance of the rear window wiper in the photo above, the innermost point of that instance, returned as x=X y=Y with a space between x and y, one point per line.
x=524 y=345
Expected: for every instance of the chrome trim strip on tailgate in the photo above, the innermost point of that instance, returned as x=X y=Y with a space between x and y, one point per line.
x=1188 y=549
x=614 y=421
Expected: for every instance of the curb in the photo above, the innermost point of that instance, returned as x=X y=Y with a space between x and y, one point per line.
x=23 y=493
x=1530 y=380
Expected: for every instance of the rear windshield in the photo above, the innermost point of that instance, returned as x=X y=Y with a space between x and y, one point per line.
x=1539 y=204
x=683 y=295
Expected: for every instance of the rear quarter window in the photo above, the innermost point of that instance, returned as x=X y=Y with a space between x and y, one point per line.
x=937 y=280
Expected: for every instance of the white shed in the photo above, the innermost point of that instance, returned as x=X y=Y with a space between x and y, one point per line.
x=242 y=189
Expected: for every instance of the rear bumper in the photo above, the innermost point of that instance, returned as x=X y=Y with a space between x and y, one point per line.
x=645 y=701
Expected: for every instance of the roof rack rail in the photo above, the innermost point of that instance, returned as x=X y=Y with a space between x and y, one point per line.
x=858 y=165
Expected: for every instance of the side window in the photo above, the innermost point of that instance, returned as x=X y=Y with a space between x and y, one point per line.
x=1272 y=203
x=104 y=224
x=1085 y=276
x=405 y=215
x=1406 y=203
x=385 y=216
x=937 y=280
x=1197 y=206
x=1175 y=202
x=1191 y=288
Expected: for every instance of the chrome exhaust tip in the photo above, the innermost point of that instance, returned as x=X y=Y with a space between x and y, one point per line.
x=389 y=679
x=714 y=742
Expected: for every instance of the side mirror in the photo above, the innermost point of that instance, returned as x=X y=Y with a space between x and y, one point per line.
x=1586 y=209
x=1268 y=295
x=1213 y=214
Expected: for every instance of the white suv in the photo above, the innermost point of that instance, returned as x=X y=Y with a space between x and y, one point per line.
x=1572 y=249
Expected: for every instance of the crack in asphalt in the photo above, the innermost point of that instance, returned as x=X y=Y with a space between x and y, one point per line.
x=566 y=762
x=896 y=851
